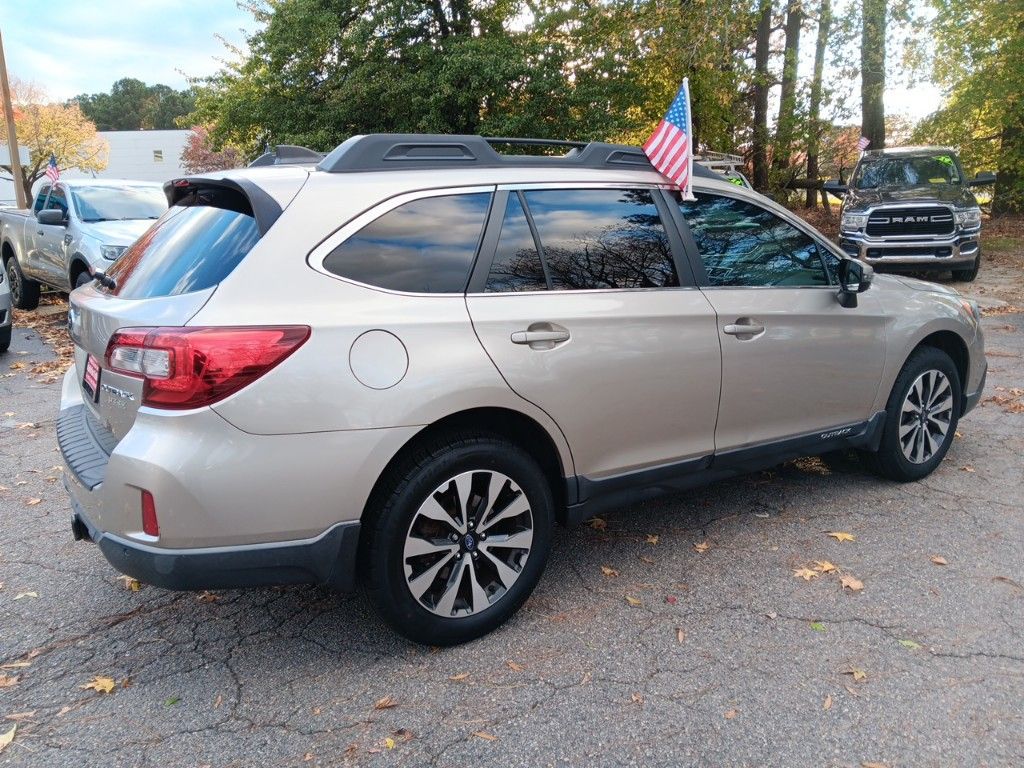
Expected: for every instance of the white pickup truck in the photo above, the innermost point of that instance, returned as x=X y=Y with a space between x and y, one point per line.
x=74 y=229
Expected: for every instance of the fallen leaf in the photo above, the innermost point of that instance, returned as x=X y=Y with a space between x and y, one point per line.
x=828 y=703
x=218 y=701
x=852 y=691
x=16 y=665
x=842 y=536
x=910 y=644
x=671 y=599
x=856 y=673
x=132 y=585
x=702 y=547
x=652 y=538
x=19 y=715
x=967 y=468
x=817 y=626
x=805 y=573
x=308 y=756
x=25 y=594
x=207 y=597
x=16 y=366
x=389 y=743
x=957 y=433
x=459 y=677
x=680 y=635
x=7 y=681
x=485 y=735
x=646 y=559
x=515 y=667
x=730 y=714
x=317 y=711
x=386 y=703
x=637 y=698
x=8 y=737
x=33 y=502
x=824 y=566
x=772 y=615
x=938 y=560
x=598 y=523
x=100 y=684
x=611 y=573
x=171 y=701
x=852 y=584
x=1007 y=580
x=403 y=734
x=873 y=765
x=633 y=601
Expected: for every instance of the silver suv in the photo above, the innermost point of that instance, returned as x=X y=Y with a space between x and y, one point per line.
x=401 y=367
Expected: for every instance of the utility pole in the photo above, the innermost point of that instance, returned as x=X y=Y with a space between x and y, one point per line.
x=12 y=138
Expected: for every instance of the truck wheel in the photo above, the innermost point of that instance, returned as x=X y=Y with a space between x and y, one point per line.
x=82 y=278
x=24 y=292
x=458 y=540
x=920 y=417
x=968 y=275
x=5 y=338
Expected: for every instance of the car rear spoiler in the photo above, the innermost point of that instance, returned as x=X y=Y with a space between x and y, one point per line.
x=265 y=209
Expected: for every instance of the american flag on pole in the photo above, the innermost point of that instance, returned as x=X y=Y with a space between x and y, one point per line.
x=669 y=148
x=863 y=143
x=52 y=173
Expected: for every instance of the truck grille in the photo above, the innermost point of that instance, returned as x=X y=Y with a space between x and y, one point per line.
x=933 y=220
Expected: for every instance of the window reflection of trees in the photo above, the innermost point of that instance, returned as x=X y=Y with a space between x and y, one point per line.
x=596 y=239
x=744 y=245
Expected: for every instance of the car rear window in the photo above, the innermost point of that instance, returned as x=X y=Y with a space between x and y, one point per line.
x=193 y=246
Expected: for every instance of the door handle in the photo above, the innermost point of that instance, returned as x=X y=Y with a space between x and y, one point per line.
x=744 y=329
x=40 y=232
x=540 y=337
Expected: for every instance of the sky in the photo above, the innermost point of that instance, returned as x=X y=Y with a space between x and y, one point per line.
x=70 y=47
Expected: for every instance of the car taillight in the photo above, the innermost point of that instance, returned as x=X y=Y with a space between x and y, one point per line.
x=191 y=367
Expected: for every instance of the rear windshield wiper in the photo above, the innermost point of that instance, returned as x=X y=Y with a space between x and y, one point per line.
x=103 y=279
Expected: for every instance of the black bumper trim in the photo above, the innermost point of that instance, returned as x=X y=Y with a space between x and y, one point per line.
x=84 y=452
x=328 y=560
x=972 y=400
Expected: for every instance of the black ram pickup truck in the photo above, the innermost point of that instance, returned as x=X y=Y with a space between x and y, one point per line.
x=912 y=210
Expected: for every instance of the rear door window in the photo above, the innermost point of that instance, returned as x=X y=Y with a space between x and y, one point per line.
x=516 y=265
x=594 y=239
x=423 y=246
x=193 y=246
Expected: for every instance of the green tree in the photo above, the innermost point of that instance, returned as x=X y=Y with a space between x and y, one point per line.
x=131 y=105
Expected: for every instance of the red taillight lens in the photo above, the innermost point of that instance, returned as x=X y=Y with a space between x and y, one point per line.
x=149 y=523
x=192 y=367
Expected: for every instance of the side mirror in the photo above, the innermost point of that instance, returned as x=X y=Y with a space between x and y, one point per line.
x=835 y=187
x=854 y=277
x=982 y=178
x=51 y=217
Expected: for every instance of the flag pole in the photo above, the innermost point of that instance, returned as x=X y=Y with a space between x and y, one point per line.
x=12 y=138
x=688 y=192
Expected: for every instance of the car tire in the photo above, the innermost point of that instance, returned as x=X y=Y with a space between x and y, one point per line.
x=5 y=338
x=920 y=417
x=82 y=278
x=437 y=578
x=24 y=292
x=968 y=275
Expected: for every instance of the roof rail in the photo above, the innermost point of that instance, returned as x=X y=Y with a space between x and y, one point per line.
x=287 y=154
x=420 y=151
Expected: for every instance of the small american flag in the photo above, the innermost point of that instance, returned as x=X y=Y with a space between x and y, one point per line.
x=52 y=172
x=669 y=148
x=863 y=143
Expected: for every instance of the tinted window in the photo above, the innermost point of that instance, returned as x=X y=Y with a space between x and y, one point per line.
x=744 y=244
x=602 y=238
x=41 y=199
x=57 y=201
x=424 y=246
x=924 y=170
x=516 y=265
x=189 y=249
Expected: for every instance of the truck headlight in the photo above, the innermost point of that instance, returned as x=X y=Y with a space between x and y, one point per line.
x=111 y=252
x=969 y=218
x=854 y=221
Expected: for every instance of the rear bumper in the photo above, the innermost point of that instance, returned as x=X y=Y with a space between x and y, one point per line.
x=328 y=559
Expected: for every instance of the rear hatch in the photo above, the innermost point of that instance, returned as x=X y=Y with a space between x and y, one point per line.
x=162 y=280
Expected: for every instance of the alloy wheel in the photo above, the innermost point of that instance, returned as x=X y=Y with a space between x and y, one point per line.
x=15 y=282
x=925 y=416
x=468 y=543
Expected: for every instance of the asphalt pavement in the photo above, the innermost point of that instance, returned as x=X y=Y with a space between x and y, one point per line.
x=678 y=632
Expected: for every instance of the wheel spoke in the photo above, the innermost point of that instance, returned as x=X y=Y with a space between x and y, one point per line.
x=464 y=488
x=433 y=510
x=933 y=445
x=920 y=446
x=506 y=574
x=422 y=583
x=479 y=597
x=516 y=507
x=941 y=388
x=451 y=590
x=520 y=540
x=906 y=429
x=416 y=547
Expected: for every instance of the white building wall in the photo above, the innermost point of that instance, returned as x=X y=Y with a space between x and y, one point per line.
x=140 y=155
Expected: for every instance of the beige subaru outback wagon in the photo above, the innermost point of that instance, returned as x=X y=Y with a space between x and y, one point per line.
x=400 y=365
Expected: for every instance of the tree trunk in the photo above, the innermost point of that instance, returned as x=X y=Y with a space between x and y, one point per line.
x=872 y=73
x=814 y=116
x=1009 y=198
x=761 y=85
x=787 y=99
